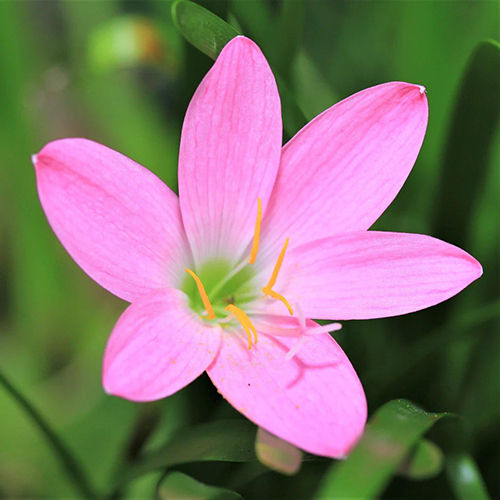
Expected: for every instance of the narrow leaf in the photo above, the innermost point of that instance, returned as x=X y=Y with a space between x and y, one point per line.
x=465 y=478
x=312 y=91
x=222 y=440
x=179 y=486
x=467 y=155
x=69 y=463
x=388 y=438
x=277 y=454
x=203 y=29
x=425 y=461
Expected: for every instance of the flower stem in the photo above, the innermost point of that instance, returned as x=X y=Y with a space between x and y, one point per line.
x=68 y=461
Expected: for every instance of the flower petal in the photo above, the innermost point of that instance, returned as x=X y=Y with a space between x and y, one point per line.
x=342 y=170
x=314 y=400
x=230 y=151
x=372 y=274
x=118 y=221
x=157 y=347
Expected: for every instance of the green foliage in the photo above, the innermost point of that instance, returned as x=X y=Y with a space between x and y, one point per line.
x=206 y=31
x=64 y=74
x=473 y=125
x=182 y=487
x=425 y=461
x=221 y=441
x=465 y=478
x=389 y=436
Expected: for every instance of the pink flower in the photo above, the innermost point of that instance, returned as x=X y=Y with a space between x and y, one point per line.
x=198 y=303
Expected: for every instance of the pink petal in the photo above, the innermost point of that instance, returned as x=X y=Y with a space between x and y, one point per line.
x=372 y=274
x=342 y=170
x=118 y=221
x=157 y=347
x=230 y=150
x=314 y=401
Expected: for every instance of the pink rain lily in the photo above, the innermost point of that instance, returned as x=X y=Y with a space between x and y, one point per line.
x=226 y=277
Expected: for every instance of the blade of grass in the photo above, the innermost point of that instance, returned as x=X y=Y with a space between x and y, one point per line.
x=465 y=478
x=69 y=463
x=183 y=487
x=473 y=125
x=424 y=462
x=203 y=29
x=389 y=436
x=222 y=440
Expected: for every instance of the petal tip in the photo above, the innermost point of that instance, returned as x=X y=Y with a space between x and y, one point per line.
x=241 y=42
x=478 y=268
x=417 y=91
x=474 y=267
x=106 y=383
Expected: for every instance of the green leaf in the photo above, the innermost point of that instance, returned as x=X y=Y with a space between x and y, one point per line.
x=277 y=454
x=183 y=487
x=312 y=92
x=222 y=440
x=293 y=118
x=467 y=155
x=465 y=478
x=203 y=29
x=389 y=436
x=425 y=461
x=68 y=461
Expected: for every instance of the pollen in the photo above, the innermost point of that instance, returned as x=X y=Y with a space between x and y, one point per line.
x=256 y=234
x=268 y=289
x=203 y=294
x=245 y=323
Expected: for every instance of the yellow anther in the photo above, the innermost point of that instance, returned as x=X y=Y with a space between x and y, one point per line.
x=277 y=266
x=276 y=295
x=245 y=323
x=256 y=234
x=203 y=295
x=268 y=289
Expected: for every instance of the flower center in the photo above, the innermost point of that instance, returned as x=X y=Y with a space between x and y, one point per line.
x=215 y=285
x=218 y=292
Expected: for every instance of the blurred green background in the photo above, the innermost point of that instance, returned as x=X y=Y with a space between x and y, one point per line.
x=121 y=73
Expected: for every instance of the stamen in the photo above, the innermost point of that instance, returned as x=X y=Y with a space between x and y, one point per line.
x=203 y=295
x=256 y=234
x=245 y=323
x=267 y=290
x=277 y=266
x=275 y=295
